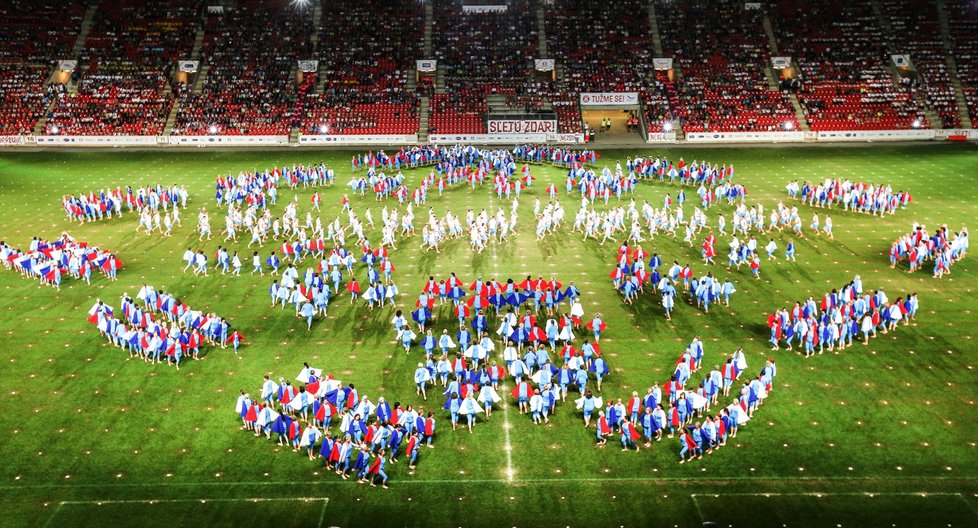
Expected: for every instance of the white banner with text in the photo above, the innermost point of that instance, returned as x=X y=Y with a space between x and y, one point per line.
x=661 y=137
x=956 y=134
x=901 y=61
x=95 y=141
x=379 y=139
x=474 y=9
x=487 y=138
x=231 y=141
x=875 y=135
x=544 y=65
x=308 y=65
x=745 y=137
x=519 y=126
x=565 y=138
x=609 y=98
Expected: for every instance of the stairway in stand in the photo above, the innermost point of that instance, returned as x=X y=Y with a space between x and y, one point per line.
x=424 y=112
x=423 y=119
x=654 y=25
x=429 y=22
x=86 y=27
x=542 y=34
x=799 y=113
x=317 y=20
x=71 y=87
x=887 y=28
x=171 y=118
x=952 y=66
x=772 y=43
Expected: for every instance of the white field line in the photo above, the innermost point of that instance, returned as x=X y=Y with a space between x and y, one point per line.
x=508 y=445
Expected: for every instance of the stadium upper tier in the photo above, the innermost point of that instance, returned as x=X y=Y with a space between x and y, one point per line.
x=114 y=68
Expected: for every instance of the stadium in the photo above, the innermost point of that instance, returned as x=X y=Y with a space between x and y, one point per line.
x=466 y=263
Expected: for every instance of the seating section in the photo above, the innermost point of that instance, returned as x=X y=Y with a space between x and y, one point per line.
x=145 y=33
x=460 y=112
x=724 y=86
x=568 y=110
x=482 y=54
x=125 y=67
x=23 y=97
x=963 y=25
x=33 y=34
x=250 y=85
x=916 y=30
x=843 y=60
x=38 y=31
x=606 y=46
x=113 y=98
x=613 y=54
x=250 y=54
x=364 y=90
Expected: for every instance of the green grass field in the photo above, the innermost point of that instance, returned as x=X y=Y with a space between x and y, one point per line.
x=878 y=435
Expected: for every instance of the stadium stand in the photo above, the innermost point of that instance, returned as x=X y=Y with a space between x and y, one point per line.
x=113 y=98
x=613 y=55
x=845 y=83
x=125 y=66
x=723 y=51
x=248 y=83
x=249 y=86
x=33 y=34
x=916 y=30
x=963 y=27
x=482 y=54
x=38 y=31
x=365 y=85
x=23 y=97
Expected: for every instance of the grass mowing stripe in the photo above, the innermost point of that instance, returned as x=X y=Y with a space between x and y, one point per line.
x=834 y=494
x=202 y=501
x=254 y=500
x=588 y=480
x=695 y=497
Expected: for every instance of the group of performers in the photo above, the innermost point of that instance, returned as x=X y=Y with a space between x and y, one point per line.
x=324 y=419
x=49 y=262
x=837 y=320
x=868 y=198
x=109 y=203
x=919 y=246
x=161 y=328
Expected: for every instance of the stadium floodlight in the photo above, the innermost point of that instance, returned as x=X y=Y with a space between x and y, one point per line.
x=55 y=129
x=788 y=125
x=212 y=129
x=667 y=126
x=916 y=123
x=300 y=4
